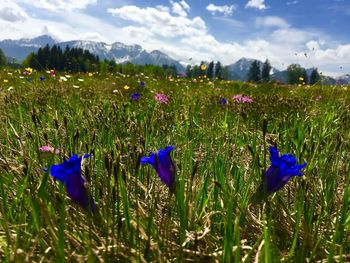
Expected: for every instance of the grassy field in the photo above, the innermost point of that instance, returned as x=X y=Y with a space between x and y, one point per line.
x=221 y=155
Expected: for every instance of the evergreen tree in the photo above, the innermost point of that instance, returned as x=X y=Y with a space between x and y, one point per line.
x=314 y=77
x=303 y=76
x=188 y=71
x=202 y=68
x=3 y=60
x=254 y=72
x=210 y=70
x=218 y=70
x=294 y=72
x=225 y=73
x=265 y=72
x=196 y=71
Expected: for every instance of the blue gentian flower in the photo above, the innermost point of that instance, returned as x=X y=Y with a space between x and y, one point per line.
x=163 y=164
x=42 y=78
x=222 y=101
x=142 y=84
x=135 y=96
x=281 y=170
x=69 y=173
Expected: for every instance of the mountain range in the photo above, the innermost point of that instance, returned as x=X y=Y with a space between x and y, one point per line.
x=19 y=49
x=119 y=52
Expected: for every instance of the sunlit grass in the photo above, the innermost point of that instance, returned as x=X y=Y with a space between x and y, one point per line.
x=220 y=156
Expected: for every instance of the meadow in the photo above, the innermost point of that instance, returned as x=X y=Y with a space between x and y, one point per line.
x=221 y=154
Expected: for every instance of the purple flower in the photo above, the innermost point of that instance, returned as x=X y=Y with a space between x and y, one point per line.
x=69 y=173
x=281 y=170
x=42 y=78
x=135 y=96
x=163 y=164
x=142 y=84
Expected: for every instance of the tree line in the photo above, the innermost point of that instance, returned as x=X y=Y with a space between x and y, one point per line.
x=211 y=71
x=71 y=59
x=79 y=60
x=295 y=73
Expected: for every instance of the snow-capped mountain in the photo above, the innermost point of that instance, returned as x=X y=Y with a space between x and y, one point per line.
x=19 y=49
x=344 y=79
x=121 y=53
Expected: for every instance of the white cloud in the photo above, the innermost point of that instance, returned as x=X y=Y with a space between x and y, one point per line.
x=292 y=2
x=258 y=4
x=271 y=21
x=224 y=9
x=161 y=23
x=60 y=5
x=185 y=5
x=10 y=11
x=180 y=8
x=163 y=8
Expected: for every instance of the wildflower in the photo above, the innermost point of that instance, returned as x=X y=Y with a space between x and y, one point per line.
x=281 y=170
x=222 y=102
x=81 y=80
x=163 y=164
x=126 y=87
x=69 y=173
x=142 y=84
x=49 y=149
x=161 y=98
x=301 y=78
x=6 y=80
x=239 y=98
x=27 y=71
x=203 y=67
x=52 y=73
x=90 y=74
x=135 y=96
x=319 y=97
x=63 y=78
x=42 y=78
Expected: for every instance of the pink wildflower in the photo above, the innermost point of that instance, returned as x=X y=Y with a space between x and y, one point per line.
x=161 y=98
x=239 y=98
x=49 y=149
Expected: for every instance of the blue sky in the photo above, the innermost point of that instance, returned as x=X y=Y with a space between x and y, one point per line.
x=308 y=32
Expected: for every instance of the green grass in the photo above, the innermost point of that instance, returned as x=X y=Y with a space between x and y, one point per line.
x=220 y=156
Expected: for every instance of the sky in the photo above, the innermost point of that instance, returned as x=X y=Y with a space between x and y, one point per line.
x=313 y=33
